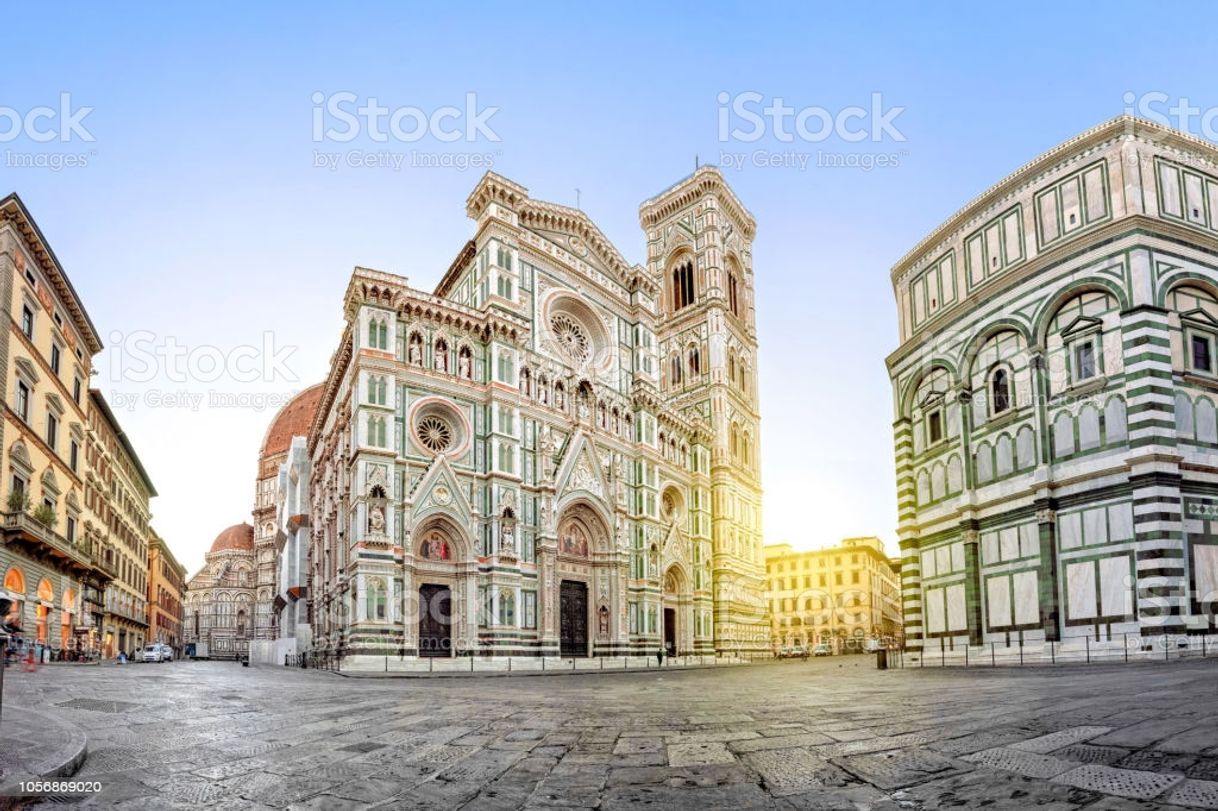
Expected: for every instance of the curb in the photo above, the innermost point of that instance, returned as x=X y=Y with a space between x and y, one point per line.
x=66 y=761
x=498 y=674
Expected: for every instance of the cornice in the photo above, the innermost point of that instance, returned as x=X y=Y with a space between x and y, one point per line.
x=684 y=193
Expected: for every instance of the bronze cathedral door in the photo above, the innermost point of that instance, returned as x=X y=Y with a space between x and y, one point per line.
x=573 y=618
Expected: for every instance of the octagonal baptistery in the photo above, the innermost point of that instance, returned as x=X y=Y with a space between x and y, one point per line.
x=1055 y=389
x=554 y=453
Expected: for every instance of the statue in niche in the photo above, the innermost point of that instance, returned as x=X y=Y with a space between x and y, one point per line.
x=463 y=364
x=376 y=520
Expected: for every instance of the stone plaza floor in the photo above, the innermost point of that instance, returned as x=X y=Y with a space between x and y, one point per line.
x=823 y=734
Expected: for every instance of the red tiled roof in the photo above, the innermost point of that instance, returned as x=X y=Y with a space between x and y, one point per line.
x=292 y=420
x=238 y=537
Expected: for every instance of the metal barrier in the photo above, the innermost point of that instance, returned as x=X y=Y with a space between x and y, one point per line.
x=1120 y=648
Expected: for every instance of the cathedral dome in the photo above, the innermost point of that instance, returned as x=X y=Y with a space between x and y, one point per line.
x=292 y=420
x=239 y=537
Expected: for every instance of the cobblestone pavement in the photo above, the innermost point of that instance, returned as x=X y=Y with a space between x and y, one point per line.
x=824 y=734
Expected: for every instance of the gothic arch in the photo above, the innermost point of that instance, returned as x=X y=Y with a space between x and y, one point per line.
x=442 y=527
x=911 y=388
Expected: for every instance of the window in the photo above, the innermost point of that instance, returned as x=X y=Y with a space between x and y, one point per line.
x=74 y=456
x=1084 y=360
x=27 y=321
x=1000 y=392
x=733 y=296
x=1201 y=352
x=507 y=607
x=55 y=358
x=934 y=426
x=695 y=362
x=52 y=429
x=76 y=385
x=23 y=401
x=683 y=285
x=71 y=530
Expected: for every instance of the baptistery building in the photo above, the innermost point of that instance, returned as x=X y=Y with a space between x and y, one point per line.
x=1055 y=398
x=554 y=452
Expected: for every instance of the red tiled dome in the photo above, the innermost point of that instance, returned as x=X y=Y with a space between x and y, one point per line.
x=292 y=420
x=236 y=537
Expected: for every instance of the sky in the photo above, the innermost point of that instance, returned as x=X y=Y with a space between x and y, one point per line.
x=209 y=206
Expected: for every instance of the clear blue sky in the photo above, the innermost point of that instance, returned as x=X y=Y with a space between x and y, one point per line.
x=200 y=216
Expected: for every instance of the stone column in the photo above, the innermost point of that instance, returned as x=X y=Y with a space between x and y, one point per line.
x=1048 y=581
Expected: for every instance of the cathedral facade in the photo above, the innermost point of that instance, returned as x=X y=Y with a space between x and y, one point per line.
x=1055 y=395
x=555 y=452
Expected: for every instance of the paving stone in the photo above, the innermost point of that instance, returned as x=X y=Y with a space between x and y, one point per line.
x=1204 y=768
x=1056 y=740
x=1195 y=794
x=993 y=791
x=975 y=742
x=1193 y=741
x=1121 y=782
x=1144 y=733
x=1028 y=764
x=778 y=742
x=739 y=795
x=790 y=771
x=695 y=754
x=1153 y=760
x=1089 y=753
x=889 y=770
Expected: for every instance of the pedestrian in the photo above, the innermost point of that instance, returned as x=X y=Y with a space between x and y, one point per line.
x=659 y=657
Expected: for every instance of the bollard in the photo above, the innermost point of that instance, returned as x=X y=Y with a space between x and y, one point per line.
x=993 y=661
x=966 y=655
x=1052 y=653
x=386 y=664
x=1087 y=645
x=1125 y=644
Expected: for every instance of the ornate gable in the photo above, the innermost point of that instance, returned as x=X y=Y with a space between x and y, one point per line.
x=439 y=491
x=579 y=470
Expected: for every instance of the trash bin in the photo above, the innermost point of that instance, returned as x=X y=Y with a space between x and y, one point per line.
x=881 y=659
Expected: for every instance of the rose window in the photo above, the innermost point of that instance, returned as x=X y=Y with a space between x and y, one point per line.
x=571 y=336
x=435 y=433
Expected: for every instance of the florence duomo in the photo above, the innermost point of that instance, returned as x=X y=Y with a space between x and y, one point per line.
x=555 y=452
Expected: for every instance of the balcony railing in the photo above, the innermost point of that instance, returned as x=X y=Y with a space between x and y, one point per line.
x=21 y=527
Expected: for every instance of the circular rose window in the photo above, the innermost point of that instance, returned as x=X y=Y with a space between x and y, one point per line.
x=576 y=333
x=438 y=427
x=571 y=337
x=435 y=433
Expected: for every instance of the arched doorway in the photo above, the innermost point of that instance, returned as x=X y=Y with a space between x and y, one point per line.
x=584 y=603
x=440 y=622
x=677 y=626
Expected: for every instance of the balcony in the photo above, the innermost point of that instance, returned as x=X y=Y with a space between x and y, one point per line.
x=40 y=541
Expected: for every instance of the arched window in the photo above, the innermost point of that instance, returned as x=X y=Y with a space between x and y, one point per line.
x=682 y=285
x=1000 y=391
x=674 y=371
x=241 y=622
x=14 y=581
x=378 y=333
x=731 y=366
x=733 y=294
x=695 y=362
x=735 y=440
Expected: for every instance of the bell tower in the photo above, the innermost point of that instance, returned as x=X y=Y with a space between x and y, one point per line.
x=699 y=254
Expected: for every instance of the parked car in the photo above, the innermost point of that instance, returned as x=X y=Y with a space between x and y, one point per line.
x=822 y=649
x=166 y=653
x=784 y=652
x=153 y=653
x=799 y=652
